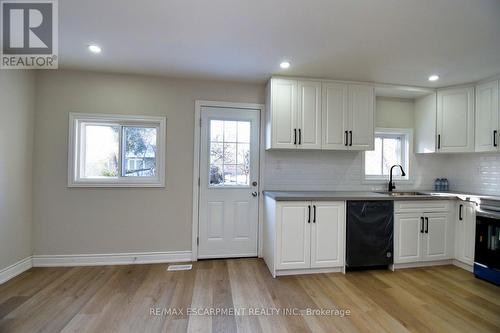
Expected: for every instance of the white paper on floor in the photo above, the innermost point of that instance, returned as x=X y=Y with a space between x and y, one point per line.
x=173 y=268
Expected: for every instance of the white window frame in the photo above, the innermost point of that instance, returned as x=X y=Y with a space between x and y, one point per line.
x=408 y=155
x=74 y=150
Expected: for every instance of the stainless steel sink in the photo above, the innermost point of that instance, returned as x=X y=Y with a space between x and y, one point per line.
x=402 y=193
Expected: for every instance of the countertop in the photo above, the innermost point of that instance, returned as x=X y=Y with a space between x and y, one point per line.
x=367 y=195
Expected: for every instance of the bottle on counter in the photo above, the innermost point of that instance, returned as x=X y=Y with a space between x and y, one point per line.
x=437 y=185
x=446 y=185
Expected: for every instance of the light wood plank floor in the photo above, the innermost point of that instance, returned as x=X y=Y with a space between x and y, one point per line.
x=121 y=299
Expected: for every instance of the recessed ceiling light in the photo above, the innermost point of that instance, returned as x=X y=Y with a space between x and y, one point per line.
x=94 y=48
x=285 y=64
x=434 y=77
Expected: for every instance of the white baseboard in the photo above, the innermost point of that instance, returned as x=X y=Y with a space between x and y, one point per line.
x=422 y=264
x=463 y=265
x=110 y=259
x=15 y=269
x=284 y=272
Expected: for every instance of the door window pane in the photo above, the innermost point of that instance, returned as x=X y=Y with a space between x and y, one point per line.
x=229 y=153
x=100 y=147
x=140 y=151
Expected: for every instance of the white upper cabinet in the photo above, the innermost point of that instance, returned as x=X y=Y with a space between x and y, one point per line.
x=455 y=120
x=282 y=113
x=309 y=114
x=361 y=117
x=335 y=116
x=487 y=117
x=425 y=124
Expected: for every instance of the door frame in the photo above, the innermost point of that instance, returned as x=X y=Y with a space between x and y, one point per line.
x=199 y=104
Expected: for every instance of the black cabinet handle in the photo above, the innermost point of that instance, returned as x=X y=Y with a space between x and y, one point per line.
x=314 y=219
x=460 y=217
x=350 y=134
x=309 y=214
x=346 y=138
x=300 y=136
x=439 y=141
x=426 y=225
x=495 y=138
x=294 y=136
x=422 y=225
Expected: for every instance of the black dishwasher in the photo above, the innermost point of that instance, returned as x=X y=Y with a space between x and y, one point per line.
x=369 y=234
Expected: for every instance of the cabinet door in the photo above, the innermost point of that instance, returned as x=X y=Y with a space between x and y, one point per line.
x=309 y=115
x=283 y=113
x=455 y=120
x=293 y=235
x=467 y=241
x=327 y=234
x=361 y=117
x=460 y=232
x=437 y=238
x=334 y=116
x=407 y=238
x=487 y=117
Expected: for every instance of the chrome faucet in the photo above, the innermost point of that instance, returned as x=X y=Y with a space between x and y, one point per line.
x=391 y=183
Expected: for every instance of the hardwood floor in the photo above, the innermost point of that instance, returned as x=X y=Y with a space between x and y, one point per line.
x=136 y=298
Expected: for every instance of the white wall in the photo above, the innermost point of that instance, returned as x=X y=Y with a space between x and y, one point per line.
x=90 y=220
x=474 y=173
x=17 y=92
x=394 y=112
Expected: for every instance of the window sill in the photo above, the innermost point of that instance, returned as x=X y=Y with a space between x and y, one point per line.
x=384 y=181
x=90 y=184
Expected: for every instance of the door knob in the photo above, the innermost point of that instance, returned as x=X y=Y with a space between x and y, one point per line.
x=254 y=194
x=254 y=183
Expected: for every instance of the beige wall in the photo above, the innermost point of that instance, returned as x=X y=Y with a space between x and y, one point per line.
x=17 y=91
x=117 y=220
x=394 y=112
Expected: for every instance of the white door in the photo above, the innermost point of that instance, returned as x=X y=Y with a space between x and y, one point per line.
x=487 y=117
x=455 y=120
x=408 y=237
x=335 y=116
x=309 y=115
x=361 y=117
x=436 y=237
x=293 y=235
x=229 y=172
x=284 y=114
x=327 y=234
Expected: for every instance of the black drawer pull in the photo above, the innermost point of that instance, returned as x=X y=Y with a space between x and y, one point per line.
x=460 y=208
x=421 y=225
x=426 y=225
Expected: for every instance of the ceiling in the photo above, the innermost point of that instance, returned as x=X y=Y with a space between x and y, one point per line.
x=389 y=41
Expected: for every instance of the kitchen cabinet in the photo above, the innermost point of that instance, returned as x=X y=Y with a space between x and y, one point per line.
x=465 y=232
x=308 y=234
x=425 y=124
x=310 y=114
x=487 y=117
x=348 y=116
x=422 y=235
x=294 y=114
x=455 y=120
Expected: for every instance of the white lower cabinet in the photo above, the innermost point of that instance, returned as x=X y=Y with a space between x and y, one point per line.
x=423 y=237
x=465 y=233
x=309 y=235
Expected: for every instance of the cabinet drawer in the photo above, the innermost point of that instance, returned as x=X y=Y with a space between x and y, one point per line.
x=423 y=206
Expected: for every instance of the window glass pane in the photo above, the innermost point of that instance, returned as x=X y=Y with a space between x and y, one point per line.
x=230 y=128
x=100 y=147
x=229 y=153
x=229 y=174
x=373 y=159
x=216 y=130
x=391 y=153
x=140 y=151
x=244 y=132
x=215 y=176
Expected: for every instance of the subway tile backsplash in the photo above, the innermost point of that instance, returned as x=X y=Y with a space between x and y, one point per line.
x=342 y=171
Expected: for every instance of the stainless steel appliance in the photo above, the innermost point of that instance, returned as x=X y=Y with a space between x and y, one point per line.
x=487 y=248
